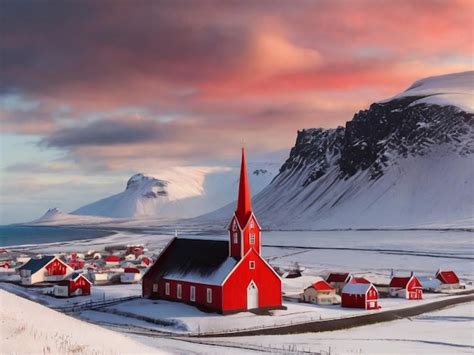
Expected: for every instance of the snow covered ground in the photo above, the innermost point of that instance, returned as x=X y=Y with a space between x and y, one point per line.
x=27 y=327
x=448 y=331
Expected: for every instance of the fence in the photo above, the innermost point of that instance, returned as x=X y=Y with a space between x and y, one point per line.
x=93 y=304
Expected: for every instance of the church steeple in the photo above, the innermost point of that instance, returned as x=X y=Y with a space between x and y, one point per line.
x=244 y=231
x=244 y=203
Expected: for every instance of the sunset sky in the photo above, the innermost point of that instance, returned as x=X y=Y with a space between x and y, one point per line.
x=92 y=92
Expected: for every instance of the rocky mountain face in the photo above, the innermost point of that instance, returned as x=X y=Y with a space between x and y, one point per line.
x=375 y=135
x=406 y=162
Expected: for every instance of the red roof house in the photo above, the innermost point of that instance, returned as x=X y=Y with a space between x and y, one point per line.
x=320 y=292
x=447 y=277
x=406 y=287
x=75 y=285
x=338 y=280
x=361 y=294
x=111 y=260
x=225 y=276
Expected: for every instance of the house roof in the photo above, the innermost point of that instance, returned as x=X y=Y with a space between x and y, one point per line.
x=337 y=277
x=399 y=281
x=355 y=288
x=359 y=280
x=194 y=260
x=112 y=258
x=447 y=277
x=322 y=286
x=35 y=265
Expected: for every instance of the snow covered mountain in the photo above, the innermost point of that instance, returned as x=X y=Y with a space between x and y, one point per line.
x=179 y=192
x=404 y=162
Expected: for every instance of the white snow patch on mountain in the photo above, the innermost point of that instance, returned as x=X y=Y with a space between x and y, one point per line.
x=179 y=192
x=450 y=89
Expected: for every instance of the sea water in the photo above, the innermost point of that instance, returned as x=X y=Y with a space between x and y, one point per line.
x=21 y=235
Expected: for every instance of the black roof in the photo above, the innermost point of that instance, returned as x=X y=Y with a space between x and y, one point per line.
x=36 y=264
x=197 y=257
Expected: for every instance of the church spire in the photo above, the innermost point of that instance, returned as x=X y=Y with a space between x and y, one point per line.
x=244 y=207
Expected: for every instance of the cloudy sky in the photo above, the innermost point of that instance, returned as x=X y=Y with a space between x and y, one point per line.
x=91 y=92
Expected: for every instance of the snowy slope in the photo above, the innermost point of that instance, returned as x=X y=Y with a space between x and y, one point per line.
x=403 y=163
x=54 y=216
x=29 y=328
x=179 y=192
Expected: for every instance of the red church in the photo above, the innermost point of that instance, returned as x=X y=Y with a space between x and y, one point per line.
x=225 y=276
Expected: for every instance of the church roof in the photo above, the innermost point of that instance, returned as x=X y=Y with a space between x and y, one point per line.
x=244 y=202
x=195 y=260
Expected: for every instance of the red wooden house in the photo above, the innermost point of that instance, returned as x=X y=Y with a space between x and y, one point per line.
x=338 y=280
x=112 y=260
x=226 y=276
x=449 y=279
x=46 y=268
x=360 y=293
x=75 y=285
x=406 y=287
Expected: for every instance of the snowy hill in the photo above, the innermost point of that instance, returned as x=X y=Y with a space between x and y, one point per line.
x=404 y=162
x=180 y=192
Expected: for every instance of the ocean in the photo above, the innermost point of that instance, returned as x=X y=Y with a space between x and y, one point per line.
x=21 y=235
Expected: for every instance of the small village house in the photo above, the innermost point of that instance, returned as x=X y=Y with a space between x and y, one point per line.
x=360 y=293
x=46 y=268
x=320 y=292
x=112 y=260
x=406 y=287
x=449 y=280
x=130 y=275
x=74 y=285
x=338 y=280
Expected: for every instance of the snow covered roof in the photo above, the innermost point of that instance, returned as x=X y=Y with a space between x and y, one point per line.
x=36 y=264
x=354 y=288
x=194 y=260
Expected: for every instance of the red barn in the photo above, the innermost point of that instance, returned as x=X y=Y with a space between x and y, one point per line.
x=406 y=287
x=75 y=285
x=360 y=294
x=226 y=276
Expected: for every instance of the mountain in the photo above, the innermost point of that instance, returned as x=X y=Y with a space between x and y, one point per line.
x=406 y=162
x=180 y=192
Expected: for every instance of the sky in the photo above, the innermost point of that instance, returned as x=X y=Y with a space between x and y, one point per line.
x=94 y=91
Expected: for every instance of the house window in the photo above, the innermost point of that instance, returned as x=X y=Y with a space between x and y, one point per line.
x=252 y=224
x=167 y=288
x=155 y=287
x=252 y=264
x=236 y=238
x=179 y=291
x=252 y=238
x=209 y=295
x=192 y=293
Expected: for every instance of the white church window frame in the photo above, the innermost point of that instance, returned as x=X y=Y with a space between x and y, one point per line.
x=235 y=237
x=252 y=238
x=252 y=264
x=192 y=293
x=167 y=288
x=209 y=295
x=179 y=291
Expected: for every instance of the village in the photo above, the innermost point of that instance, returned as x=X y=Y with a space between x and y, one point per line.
x=193 y=285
